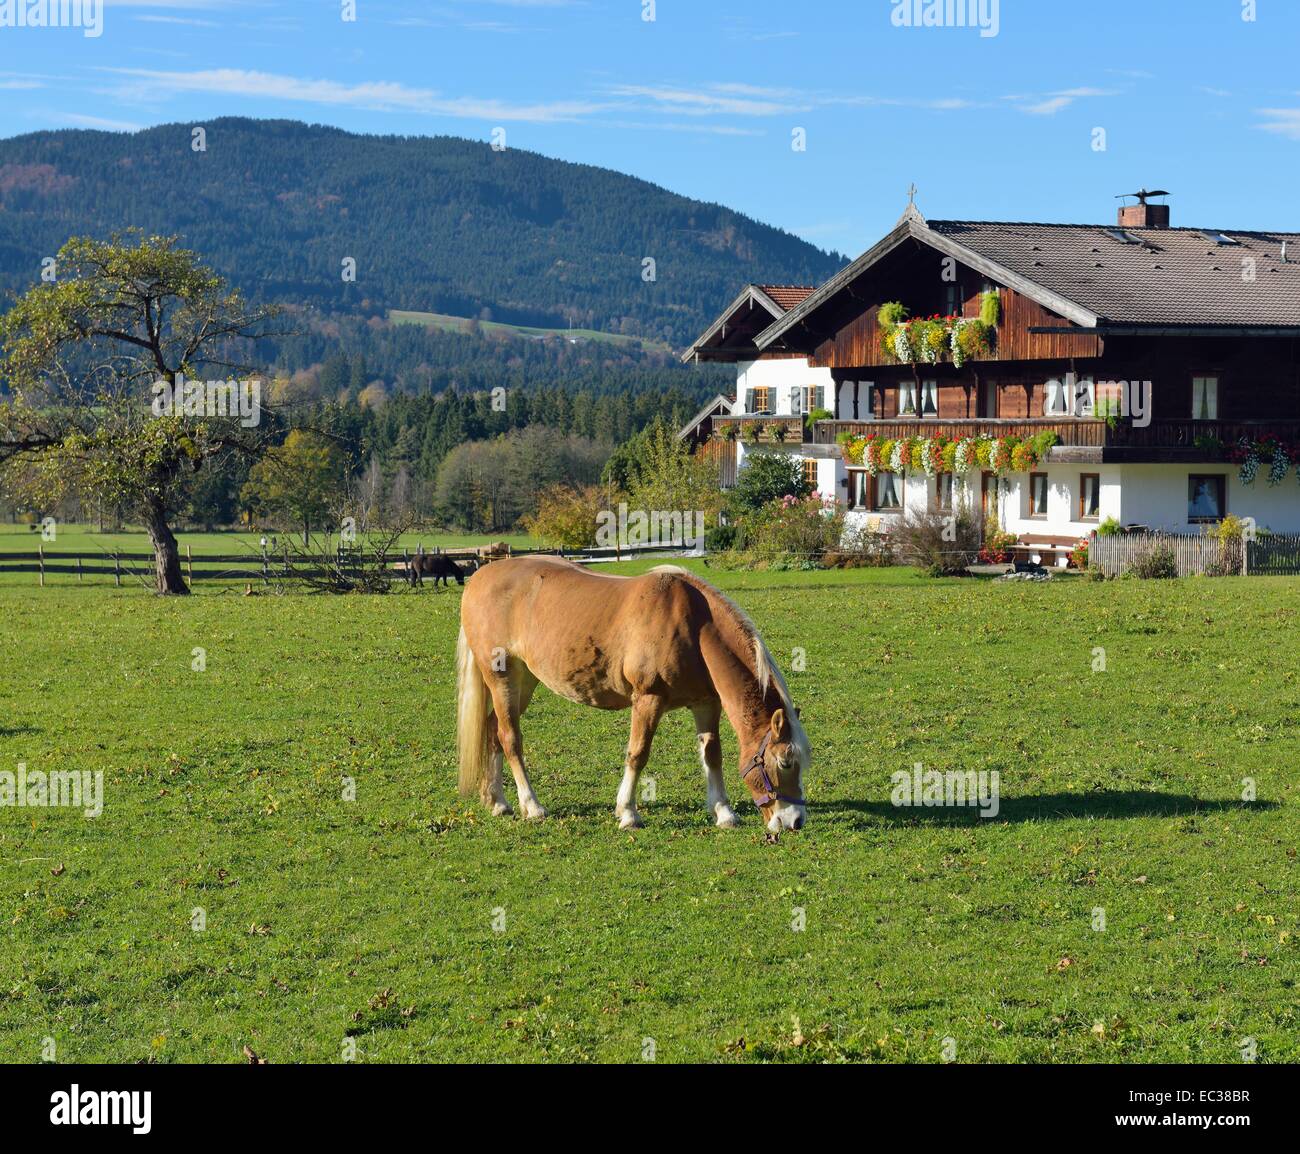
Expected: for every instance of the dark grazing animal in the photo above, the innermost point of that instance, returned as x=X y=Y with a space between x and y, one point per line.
x=438 y=566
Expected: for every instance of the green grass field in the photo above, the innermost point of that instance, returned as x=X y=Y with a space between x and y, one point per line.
x=372 y=920
x=461 y=324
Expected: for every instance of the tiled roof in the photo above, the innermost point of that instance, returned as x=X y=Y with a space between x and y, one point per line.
x=787 y=295
x=1171 y=276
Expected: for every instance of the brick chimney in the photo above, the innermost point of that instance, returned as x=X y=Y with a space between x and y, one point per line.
x=1143 y=215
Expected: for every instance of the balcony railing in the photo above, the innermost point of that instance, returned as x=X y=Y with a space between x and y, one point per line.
x=1071 y=433
x=793 y=431
x=1177 y=439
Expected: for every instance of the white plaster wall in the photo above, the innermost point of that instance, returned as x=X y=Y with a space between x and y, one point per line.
x=781 y=376
x=1062 y=500
x=1156 y=495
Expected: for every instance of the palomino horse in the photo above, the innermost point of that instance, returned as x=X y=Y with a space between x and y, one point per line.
x=664 y=640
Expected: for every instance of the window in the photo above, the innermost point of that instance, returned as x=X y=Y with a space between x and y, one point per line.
x=889 y=493
x=989 y=495
x=859 y=489
x=762 y=401
x=1084 y=398
x=1206 y=497
x=1205 y=398
x=809 y=397
x=952 y=299
x=810 y=472
x=988 y=400
x=929 y=398
x=943 y=493
x=1054 y=399
x=1089 y=496
x=907 y=399
x=1038 y=494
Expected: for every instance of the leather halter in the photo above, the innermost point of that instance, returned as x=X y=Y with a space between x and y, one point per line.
x=758 y=764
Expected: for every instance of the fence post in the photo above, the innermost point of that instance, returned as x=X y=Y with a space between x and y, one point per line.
x=266 y=574
x=117 y=570
x=78 y=569
x=189 y=564
x=40 y=558
x=1245 y=556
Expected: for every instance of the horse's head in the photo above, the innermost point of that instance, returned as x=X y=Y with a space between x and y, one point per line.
x=774 y=773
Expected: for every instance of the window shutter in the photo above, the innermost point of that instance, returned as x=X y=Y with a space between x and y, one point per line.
x=820 y=402
x=749 y=400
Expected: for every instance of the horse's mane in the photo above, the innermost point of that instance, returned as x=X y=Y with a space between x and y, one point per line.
x=766 y=671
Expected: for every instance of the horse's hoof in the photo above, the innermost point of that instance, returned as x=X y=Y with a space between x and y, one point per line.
x=501 y=809
x=534 y=812
x=727 y=818
x=630 y=820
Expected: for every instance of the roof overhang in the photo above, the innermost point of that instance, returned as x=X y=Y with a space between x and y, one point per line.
x=913 y=227
x=750 y=295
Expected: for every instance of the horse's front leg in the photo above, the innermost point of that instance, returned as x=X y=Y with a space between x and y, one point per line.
x=646 y=712
x=707 y=720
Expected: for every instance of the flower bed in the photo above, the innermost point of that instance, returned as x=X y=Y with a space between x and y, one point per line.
x=933 y=455
x=930 y=340
x=1251 y=455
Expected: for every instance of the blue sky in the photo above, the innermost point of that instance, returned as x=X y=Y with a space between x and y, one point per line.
x=704 y=98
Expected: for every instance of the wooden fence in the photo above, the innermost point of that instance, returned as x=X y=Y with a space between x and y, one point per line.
x=266 y=566
x=1273 y=555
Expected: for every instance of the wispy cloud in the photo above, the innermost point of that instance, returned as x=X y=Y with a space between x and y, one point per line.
x=82 y=121
x=741 y=99
x=146 y=85
x=187 y=21
x=1283 y=121
x=1050 y=103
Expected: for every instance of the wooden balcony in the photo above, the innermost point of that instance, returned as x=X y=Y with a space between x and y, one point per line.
x=1181 y=439
x=793 y=431
x=1085 y=439
x=1079 y=439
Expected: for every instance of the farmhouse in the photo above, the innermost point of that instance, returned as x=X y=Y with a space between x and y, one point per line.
x=1051 y=376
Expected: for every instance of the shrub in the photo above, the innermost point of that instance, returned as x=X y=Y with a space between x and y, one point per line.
x=1110 y=528
x=767 y=477
x=940 y=545
x=1159 y=562
x=566 y=516
x=721 y=538
x=997 y=544
x=794 y=530
x=990 y=308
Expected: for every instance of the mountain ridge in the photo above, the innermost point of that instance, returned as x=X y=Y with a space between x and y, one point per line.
x=437 y=224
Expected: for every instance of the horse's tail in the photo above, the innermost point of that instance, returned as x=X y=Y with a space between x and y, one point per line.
x=473 y=707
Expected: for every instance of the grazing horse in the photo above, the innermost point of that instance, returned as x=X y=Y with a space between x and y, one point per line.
x=440 y=567
x=664 y=640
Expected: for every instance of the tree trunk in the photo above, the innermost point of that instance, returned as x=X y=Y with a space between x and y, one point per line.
x=166 y=553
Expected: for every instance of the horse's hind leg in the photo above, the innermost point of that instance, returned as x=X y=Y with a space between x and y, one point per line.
x=510 y=697
x=494 y=794
x=646 y=712
x=707 y=720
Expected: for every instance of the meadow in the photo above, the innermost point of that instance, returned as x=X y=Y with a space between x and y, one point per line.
x=396 y=917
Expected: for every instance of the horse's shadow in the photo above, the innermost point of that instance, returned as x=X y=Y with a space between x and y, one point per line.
x=1109 y=804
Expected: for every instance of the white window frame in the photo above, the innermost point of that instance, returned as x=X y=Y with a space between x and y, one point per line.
x=906 y=393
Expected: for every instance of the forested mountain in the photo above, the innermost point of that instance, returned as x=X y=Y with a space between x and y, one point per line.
x=436 y=224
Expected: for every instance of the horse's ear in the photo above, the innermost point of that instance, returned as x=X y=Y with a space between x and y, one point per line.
x=780 y=726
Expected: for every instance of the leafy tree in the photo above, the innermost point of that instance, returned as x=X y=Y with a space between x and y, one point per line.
x=79 y=357
x=667 y=476
x=567 y=516
x=303 y=479
x=767 y=477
